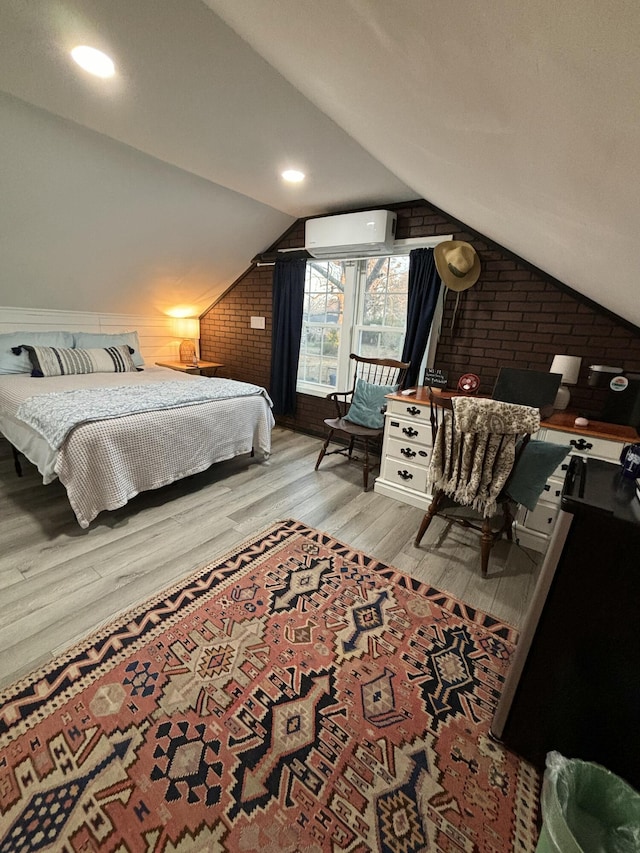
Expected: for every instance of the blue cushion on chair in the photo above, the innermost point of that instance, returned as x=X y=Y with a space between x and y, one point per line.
x=368 y=401
x=538 y=461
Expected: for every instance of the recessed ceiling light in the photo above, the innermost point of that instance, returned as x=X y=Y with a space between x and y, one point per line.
x=293 y=176
x=94 y=61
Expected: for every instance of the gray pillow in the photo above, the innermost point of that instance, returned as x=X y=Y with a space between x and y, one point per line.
x=11 y=363
x=537 y=463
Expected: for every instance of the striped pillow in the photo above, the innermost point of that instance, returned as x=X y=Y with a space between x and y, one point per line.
x=58 y=361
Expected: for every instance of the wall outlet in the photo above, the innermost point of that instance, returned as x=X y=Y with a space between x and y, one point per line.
x=257 y=323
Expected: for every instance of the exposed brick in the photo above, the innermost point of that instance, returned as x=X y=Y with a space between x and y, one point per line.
x=555 y=328
x=519 y=296
x=522 y=327
x=502 y=335
x=539 y=341
x=515 y=275
x=511 y=316
x=501 y=265
x=496 y=325
x=522 y=316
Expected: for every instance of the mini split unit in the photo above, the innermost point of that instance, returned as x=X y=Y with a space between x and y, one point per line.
x=350 y=234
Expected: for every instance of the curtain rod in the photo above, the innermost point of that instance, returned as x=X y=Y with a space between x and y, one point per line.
x=404 y=247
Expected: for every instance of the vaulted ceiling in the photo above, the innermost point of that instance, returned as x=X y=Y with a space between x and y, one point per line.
x=158 y=186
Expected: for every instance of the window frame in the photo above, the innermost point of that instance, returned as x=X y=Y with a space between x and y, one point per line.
x=316 y=389
x=354 y=307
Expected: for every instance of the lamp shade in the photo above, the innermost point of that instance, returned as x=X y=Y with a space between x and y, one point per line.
x=568 y=366
x=187 y=327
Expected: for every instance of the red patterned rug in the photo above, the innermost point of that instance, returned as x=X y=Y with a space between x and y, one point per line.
x=296 y=695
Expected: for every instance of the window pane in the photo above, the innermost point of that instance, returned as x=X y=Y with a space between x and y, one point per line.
x=396 y=310
x=319 y=355
x=383 y=344
x=375 y=291
x=322 y=322
x=384 y=305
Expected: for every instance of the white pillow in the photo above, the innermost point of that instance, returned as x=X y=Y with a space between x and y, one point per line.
x=57 y=361
x=89 y=340
x=11 y=363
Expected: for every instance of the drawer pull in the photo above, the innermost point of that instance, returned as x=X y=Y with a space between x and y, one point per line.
x=395 y=423
x=413 y=410
x=580 y=444
x=410 y=431
x=405 y=475
x=423 y=453
x=546 y=487
x=564 y=467
x=408 y=452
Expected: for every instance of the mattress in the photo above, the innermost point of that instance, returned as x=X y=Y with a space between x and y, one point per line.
x=104 y=463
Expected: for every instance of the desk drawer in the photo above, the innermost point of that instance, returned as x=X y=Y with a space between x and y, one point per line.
x=416 y=432
x=542 y=518
x=552 y=491
x=398 y=471
x=585 y=445
x=408 y=451
x=408 y=408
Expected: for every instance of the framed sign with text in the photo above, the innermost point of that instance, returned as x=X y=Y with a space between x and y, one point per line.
x=435 y=378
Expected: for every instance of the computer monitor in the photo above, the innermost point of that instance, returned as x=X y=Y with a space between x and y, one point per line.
x=535 y=388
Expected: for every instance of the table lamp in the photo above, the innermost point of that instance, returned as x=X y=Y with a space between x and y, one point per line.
x=188 y=328
x=569 y=367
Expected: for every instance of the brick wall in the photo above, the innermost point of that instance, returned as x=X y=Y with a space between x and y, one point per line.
x=515 y=315
x=225 y=334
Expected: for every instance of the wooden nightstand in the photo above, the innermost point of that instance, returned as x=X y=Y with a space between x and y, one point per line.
x=204 y=368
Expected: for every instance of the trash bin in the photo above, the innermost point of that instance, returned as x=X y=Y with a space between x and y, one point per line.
x=587 y=809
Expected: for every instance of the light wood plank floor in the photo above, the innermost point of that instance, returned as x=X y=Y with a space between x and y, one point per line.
x=58 y=582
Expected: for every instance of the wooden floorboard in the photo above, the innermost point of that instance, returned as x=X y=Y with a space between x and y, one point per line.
x=59 y=582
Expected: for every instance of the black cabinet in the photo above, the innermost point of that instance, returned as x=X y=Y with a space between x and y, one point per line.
x=575 y=682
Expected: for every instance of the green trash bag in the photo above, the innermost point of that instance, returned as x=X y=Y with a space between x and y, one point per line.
x=587 y=809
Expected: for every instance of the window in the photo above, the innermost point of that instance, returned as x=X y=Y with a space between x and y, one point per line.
x=351 y=305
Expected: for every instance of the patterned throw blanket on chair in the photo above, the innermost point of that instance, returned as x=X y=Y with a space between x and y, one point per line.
x=475 y=451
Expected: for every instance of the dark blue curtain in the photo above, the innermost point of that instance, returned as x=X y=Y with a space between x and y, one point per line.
x=288 y=300
x=424 y=287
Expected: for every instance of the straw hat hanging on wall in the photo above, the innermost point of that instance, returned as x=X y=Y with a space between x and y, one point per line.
x=457 y=263
x=458 y=267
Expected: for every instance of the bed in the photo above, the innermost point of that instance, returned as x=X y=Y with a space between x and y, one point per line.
x=104 y=456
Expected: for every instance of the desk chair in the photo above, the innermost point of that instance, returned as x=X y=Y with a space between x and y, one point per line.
x=360 y=411
x=476 y=445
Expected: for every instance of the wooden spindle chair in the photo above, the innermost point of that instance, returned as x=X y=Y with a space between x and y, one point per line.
x=374 y=371
x=443 y=431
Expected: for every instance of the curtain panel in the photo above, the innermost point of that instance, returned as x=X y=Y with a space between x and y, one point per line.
x=424 y=288
x=288 y=301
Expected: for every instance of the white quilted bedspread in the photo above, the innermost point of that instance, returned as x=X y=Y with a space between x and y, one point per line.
x=55 y=414
x=104 y=463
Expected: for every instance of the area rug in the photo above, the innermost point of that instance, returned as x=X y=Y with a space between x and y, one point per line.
x=296 y=695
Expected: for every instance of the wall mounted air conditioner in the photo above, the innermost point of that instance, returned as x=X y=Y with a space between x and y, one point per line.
x=350 y=234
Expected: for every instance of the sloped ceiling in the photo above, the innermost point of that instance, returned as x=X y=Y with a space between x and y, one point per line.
x=157 y=187
x=520 y=119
